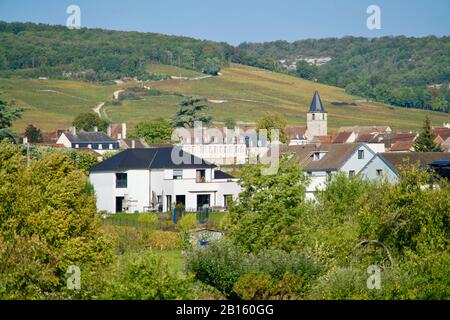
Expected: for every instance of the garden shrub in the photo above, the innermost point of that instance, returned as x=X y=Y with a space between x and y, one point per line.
x=165 y=240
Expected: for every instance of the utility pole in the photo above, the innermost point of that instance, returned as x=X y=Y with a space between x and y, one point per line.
x=25 y=141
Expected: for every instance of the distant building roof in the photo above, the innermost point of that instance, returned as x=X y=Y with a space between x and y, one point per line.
x=295 y=132
x=138 y=143
x=156 y=158
x=335 y=155
x=402 y=145
x=366 y=129
x=316 y=104
x=342 y=137
x=444 y=133
x=422 y=158
x=83 y=136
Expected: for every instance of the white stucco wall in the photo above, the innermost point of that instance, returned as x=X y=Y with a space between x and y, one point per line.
x=141 y=184
x=104 y=185
x=370 y=170
x=353 y=163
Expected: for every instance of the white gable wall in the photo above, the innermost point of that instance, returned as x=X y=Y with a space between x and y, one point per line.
x=355 y=164
x=64 y=141
x=376 y=163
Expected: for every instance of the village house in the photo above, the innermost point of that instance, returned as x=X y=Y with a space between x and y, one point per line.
x=386 y=165
x=321 y=161
x=222 y=146
x=140 y=180
x=97 y=141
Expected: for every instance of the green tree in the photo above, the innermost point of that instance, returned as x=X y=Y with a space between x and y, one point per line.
x=8 y=115
x=230 y=123
x=306 y=70
x=425 y=140
x=269 y=206
x=33 y=134
x=154 y=131
x=48 y=221
x=190 y=112
x=272 y=120
x=87 y=121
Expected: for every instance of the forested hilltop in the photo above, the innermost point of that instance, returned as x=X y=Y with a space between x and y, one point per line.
x=407 y=72
x=101 y=55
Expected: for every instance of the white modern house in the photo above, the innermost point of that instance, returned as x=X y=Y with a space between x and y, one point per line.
x=319 y=162
x=140 y=180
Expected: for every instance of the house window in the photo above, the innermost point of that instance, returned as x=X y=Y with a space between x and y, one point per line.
x=177 y=174
x=351 y=173
x=100 y=147
x=379 y=172
x=121 y=180
x=169 y=202
x=110 y=146
x=360 y=154
x=201 y=176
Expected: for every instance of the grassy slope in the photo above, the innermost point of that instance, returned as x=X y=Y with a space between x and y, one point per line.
x=172 y=71
x=269 y=91
x=51 y=110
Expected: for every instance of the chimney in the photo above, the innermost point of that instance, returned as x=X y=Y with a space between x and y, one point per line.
x=96 y=129
x=108 y=131
x=124 y=130
x=133 y=144
x=73 y=130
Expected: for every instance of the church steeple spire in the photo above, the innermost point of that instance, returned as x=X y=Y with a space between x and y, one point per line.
x=316 y=104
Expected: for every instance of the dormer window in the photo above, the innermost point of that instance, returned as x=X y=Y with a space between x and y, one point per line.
x=318 y=155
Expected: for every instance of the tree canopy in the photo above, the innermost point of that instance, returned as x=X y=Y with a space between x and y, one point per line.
x=154 y=131
x=191 y=110
x=88 y=121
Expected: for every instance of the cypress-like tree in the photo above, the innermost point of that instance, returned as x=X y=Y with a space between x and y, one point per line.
x=425 y=140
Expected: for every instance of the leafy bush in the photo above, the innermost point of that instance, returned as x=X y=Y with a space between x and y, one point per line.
x=57 y=226
x=165 y=240
x=220 y=265
x=149 y=219
x=238 y=274
x=188 y=222
x=145 y=276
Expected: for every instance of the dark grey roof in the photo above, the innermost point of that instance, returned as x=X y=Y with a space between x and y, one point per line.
x=152 y=158
x=83 y=136
x=219 y=174
x=316 y=104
